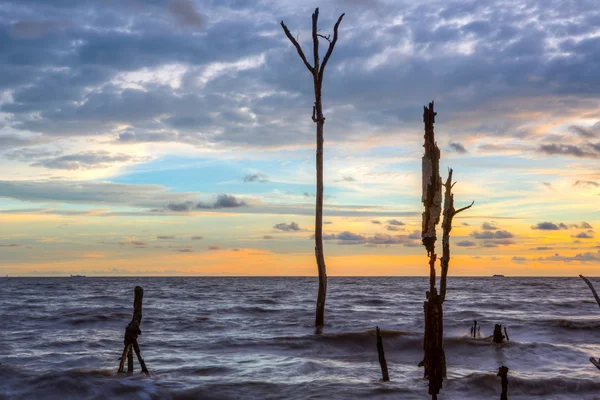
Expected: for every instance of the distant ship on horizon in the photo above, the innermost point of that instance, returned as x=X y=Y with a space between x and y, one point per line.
x=77 y=276
x=497 y=276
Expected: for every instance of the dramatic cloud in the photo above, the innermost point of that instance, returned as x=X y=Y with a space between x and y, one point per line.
x=466 y=243
x=257 y=177
x=549 y=226
x=376 y=222
x=457 y=148
x=394 y=228
x=291 y=227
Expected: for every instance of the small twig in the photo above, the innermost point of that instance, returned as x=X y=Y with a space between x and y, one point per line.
x=325 y=37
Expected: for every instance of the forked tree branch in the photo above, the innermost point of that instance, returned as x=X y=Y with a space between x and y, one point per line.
x=591 y=288
x=331 y=46
x=298 y=48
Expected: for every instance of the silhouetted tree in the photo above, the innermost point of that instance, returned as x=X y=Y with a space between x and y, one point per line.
x=317 y=116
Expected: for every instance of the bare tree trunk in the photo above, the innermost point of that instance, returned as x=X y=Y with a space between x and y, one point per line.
x=317 y=116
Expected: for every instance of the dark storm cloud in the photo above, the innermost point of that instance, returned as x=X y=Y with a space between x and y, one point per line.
x=549 y=226
x=61 y=60
x=584 y=235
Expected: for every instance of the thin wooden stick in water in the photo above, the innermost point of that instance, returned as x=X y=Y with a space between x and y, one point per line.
x=385 y=377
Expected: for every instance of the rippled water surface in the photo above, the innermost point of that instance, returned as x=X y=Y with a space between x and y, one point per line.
x=239 y=338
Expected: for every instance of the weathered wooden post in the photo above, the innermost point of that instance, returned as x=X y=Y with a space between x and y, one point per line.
x=131 y=334
x=503 y=374
x=318 y=118
x=434 y=360
x=385 y=377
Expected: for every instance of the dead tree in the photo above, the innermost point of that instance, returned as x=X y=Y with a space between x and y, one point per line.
x=317 y=71
x=503 y=374
x=131 y=334
x=385 y=376
x=434 y=360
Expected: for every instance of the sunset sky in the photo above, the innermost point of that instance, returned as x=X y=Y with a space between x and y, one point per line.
x=173 y=137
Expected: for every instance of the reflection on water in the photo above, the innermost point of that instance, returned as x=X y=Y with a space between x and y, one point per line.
x=218 y=338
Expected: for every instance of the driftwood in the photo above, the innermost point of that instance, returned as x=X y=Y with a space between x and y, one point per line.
x=317 y=116
x=586 y=280
x=131 y=334
x=385 y=377
x=594 y=361
x=434 y=360
x=503 y=374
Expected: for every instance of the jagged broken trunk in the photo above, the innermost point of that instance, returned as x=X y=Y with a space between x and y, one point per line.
x=434 y=359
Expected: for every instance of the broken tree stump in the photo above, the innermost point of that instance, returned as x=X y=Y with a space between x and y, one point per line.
x=132 y=331
x=503 y=374
x=498 y=336
x=385 y=377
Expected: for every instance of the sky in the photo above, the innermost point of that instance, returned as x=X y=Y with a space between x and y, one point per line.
x=174 y=137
